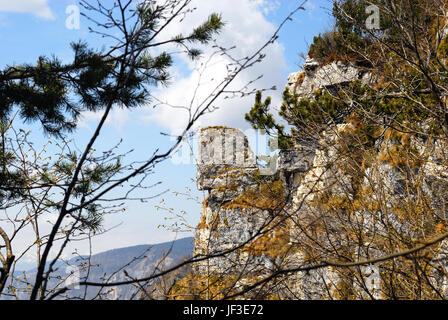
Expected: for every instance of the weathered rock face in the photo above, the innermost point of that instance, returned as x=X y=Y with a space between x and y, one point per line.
x=222 y=148
x=314 y=77
x=304 y=198
x=227 y=223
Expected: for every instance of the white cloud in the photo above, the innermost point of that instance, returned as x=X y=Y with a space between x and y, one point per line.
x=39 y=8
x=248 y=29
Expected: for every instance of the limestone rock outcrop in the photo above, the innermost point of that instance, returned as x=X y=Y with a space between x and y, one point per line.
x=315 y=77
x=222 y=148
x=257 y=224
x=228 y=170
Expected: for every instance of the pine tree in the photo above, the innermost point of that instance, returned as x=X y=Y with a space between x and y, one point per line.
x=55 y=94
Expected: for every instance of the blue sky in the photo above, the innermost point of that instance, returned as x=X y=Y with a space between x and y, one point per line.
x=30 y=28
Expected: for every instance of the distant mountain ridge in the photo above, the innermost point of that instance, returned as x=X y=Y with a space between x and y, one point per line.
x=112 y=265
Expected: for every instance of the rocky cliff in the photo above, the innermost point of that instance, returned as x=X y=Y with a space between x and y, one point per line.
x=326 y=202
